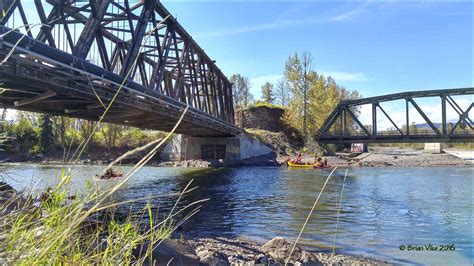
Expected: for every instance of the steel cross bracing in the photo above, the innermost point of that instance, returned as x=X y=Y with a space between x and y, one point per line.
x=74 y=55
x=344 y=126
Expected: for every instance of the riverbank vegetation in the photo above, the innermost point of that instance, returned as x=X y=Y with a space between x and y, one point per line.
x=305 y=95
x=57 y=228
x=33 y=136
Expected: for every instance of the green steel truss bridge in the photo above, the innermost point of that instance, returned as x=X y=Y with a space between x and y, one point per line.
x=344 y=124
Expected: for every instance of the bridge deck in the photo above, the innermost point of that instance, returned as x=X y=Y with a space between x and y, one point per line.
x=70 y=55
x=39 y=78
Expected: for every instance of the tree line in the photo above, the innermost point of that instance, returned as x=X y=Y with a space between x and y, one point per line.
x=307 y=96
x=32 y=134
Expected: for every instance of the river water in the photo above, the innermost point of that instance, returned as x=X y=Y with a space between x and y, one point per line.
x=382 y=208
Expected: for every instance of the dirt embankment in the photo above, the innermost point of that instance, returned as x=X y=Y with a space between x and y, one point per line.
x=266 y=123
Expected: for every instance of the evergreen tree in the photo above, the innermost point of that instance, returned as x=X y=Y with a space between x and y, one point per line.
x=46 y=136
x=267 y=93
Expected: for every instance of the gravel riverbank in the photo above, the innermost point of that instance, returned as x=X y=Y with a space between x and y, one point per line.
x=240 y=251
x=390 y=157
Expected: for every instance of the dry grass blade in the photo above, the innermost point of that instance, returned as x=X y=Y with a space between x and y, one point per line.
x=132 y=152
x=309 y=215
x=80 y=217
x=338 y=212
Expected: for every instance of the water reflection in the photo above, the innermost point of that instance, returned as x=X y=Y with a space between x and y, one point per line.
x=382 y=208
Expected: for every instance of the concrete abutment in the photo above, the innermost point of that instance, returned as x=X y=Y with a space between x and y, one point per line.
x=231 y=150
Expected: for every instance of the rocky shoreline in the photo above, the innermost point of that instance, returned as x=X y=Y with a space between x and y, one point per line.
x=375 y=158
x=212 y=251
x=220 y=251
x=385 y=157
x=240 y=251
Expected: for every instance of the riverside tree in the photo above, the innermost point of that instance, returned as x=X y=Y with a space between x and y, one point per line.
x=267 y=93
x=47 y=136
x=282 y=94
x=241 y=91
x=313 y=96
x=299 y=75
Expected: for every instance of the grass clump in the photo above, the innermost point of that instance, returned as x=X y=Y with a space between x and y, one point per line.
x=258 y=104
x=55 y=230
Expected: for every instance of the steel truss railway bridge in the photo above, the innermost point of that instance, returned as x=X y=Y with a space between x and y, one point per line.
x=71 y=58
x=344 y=126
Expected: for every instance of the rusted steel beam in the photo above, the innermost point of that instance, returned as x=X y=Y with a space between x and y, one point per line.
x=138 y=36
x=91 y=28
x=171 y=63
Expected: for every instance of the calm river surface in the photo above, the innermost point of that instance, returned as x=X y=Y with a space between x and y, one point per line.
x=382 y=208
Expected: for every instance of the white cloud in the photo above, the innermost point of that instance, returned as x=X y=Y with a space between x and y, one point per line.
x=398 y=115
x=272 y=25
x=349 y=15
x=345 y=76
x=256 y=83
x=282 y=24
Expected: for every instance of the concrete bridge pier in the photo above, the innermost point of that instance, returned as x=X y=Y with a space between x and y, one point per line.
x=231 y=150
x=434 y=148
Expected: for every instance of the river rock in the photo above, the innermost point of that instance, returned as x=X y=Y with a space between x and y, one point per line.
x=309 y=258
x=279 y=249
x=4 y=187
x=169 y=252
x=11 y=200
x=213 y=258
x=262 y=260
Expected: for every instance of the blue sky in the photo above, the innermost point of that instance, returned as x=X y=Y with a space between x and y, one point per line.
x=373 y=47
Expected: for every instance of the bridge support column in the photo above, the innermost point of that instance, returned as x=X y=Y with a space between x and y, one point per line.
x=433 y=148
x=359 y=147
x=228 y=150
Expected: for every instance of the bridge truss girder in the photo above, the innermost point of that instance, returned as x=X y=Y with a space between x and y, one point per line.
x=108 y=40
x=338 y=127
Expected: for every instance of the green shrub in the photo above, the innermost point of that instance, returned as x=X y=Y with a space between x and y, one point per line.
x=265 y=104
x=65 y=232
x=35 y=150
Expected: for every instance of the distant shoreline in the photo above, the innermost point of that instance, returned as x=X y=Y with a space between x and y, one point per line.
x=376 y=157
